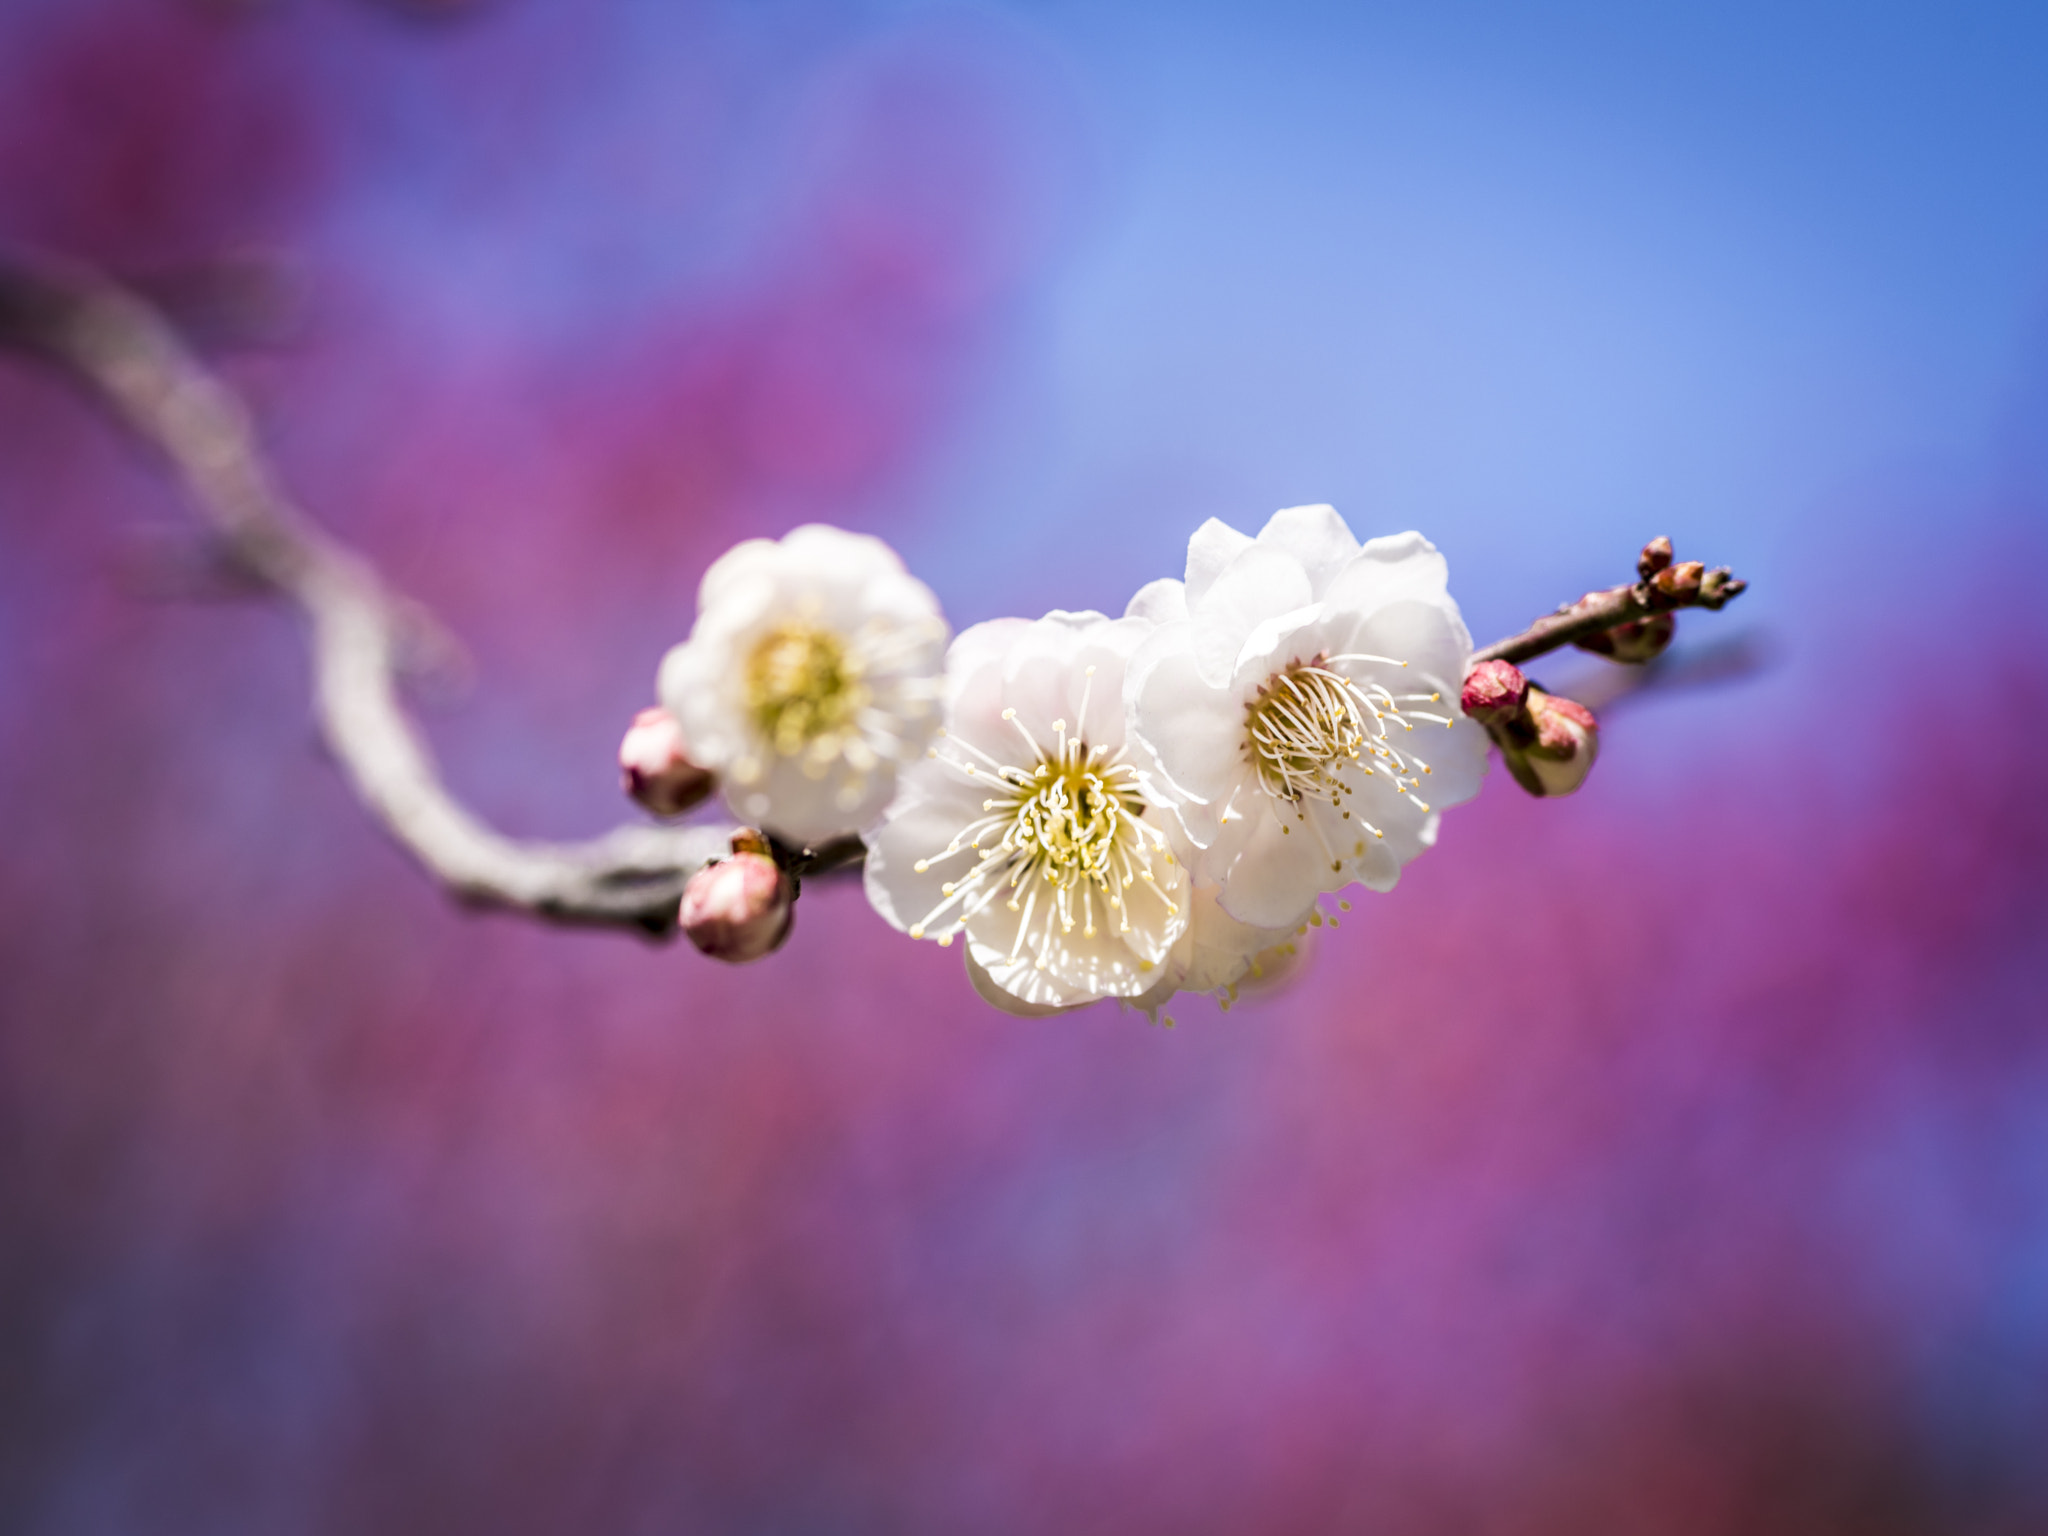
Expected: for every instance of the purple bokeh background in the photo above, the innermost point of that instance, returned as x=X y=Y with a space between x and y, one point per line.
x=1673 y=1158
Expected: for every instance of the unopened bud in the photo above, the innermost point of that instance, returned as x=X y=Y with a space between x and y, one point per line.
x=655 y=768
x=1719 y=586
x=1655 y=557
x=1636 y=642
x=1680 y=580
x=738 y=909
x=1566 y=740
x=1494 y=692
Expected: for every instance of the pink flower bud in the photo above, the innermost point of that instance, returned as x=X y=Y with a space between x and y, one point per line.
x=1567 y=739
x=1636 y=642
x=738 y=909
x=1494 y=692
x=656 y=770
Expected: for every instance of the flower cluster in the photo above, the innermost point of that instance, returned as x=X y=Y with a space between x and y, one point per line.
x=1091 y=807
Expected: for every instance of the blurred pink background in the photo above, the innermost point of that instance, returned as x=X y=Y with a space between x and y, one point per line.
x=1669 y=1159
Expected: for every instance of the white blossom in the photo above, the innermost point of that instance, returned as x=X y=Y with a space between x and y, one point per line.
x=1217 y=954
x=1032 y=827
x=812 y=674
x=1300 y=697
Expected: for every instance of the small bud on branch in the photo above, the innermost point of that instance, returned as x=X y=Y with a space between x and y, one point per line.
x=1495 y=693
x=656 y=769
x=1567 y=739
x=741 y=908
x=1547 y=741
x=1662 y=588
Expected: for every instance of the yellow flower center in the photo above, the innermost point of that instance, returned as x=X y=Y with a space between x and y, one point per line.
x=1302 y=727
x=802 y=689
x=1062 y=834
x=1065 y=818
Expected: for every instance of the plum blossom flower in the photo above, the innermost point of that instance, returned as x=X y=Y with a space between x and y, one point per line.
x=812 y=674
x=1299 y=696
x=1033 y=828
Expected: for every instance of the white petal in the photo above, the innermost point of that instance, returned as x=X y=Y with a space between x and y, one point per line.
x=697 y=684
x=920 y=825
x=1428 y=634
x=818 y=552
x=1159 y=994
x=1110 y=963
x=1214 y=546
x=1032 y=992
x=1457 y=757
x=1258 y=584
x=985 y=985
x=1219 y=948
x=1193 y=729
x=895 y=597
x=1162 y=601
x=1317 y=537
x=1278 y=872
x=1379 y=867
x=1277 y=643
x=800 y=808
x=748 y=560
x=1046 y=678
x=983 y=644
x=974 y=688
x=1399 y=567
x=1107 y=965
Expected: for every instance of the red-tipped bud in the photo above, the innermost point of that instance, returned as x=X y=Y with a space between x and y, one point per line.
x=1636 y=642
x=1655 y=557
x=738 y=909
x=1494 y=692
x=1567 y=739
x=656 y=770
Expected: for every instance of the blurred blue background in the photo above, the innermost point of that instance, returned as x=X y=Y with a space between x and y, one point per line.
x=1672 y=1158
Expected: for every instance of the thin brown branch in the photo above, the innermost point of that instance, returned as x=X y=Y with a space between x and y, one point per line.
x=359 y=632
x=1662 y=587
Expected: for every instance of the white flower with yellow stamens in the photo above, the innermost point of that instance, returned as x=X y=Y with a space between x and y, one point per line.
x=1032 y=829
x=1300 y=698
x=813 y=673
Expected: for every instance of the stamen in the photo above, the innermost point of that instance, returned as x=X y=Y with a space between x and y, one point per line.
x=1311 y=724
x=1066 y=829
x=1030 y=741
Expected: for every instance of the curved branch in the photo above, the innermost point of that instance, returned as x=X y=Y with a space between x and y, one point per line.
x=361 y=633
x=358 y=630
